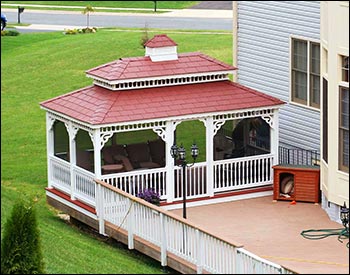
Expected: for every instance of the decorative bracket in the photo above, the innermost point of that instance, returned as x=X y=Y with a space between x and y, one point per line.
x=91 y=134
x=160 y=131
x=104 y=138
x=72 y=130
x=268 y=119
x=50 y=122
x=217 y=125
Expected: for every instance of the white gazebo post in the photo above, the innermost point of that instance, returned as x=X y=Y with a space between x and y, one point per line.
x=169 y=141
x=209 y=128
x=274 y=137
x=49 y=145
x=97 y=143
x=72 y=132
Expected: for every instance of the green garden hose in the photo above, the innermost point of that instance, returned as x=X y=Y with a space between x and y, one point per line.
x=317 y=234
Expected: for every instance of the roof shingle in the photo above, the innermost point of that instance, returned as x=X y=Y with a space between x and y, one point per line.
x=96 y=105
x=189 y=63
x=160 y=40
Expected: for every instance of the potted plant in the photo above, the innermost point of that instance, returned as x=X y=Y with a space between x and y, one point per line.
x=150 y=195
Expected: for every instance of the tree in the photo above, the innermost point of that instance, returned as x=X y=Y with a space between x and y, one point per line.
x=21 y=245
x=87 y=11
x=144 y=37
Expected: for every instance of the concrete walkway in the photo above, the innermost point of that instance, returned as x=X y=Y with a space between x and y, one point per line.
x=272 y=230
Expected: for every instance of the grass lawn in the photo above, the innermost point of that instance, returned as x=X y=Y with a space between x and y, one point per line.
x=36 y=67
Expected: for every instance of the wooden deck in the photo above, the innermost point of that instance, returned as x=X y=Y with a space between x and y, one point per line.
x=272 y=230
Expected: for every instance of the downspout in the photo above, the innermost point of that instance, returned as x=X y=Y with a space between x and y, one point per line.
x=234 y=37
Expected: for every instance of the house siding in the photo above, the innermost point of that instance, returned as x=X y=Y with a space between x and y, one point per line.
x=264 y=31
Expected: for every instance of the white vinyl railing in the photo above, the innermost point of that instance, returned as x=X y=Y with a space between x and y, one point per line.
x=240 y=173
x=84 y=187
x=60 y=174
x=174 y=234
x=249 y=263
x=196 y=181
x=134 y=182
x=228 y=175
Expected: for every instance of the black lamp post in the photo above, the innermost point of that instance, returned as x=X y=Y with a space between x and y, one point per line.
x=180 y=153
x=344 y=217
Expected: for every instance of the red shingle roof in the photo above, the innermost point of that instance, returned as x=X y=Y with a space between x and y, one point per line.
x=160 y=40
x=143 y=67
x=96 y=105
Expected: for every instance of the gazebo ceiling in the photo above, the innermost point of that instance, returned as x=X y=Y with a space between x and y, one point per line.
x=98 y=106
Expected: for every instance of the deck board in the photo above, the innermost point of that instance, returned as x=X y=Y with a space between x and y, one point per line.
x=272 y=230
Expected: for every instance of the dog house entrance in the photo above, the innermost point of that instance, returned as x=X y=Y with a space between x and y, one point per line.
x=286 y=185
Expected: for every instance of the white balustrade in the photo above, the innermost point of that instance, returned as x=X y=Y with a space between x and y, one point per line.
x=248 y=263
x=147 y=223
x=240 y=173
x=218 y=256
x=85 y=187
x=196 y=181
x=134 y=182
x=180 y=239
x=60 y=174
x=115 y=207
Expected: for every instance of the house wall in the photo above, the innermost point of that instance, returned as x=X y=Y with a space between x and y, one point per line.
x=263 y=59
x=334 y=41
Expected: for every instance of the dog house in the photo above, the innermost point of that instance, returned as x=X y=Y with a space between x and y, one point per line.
x=296 y=183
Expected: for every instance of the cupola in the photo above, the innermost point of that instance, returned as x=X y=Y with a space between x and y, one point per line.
x=161 y=48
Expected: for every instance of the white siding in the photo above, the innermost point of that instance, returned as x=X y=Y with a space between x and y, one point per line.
x=264 y=30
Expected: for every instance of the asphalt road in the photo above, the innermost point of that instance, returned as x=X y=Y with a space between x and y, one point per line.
x=120 y=20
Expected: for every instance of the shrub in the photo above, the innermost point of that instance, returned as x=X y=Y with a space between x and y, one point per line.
x=71 y=31
x=20 y=246
x=150 y=195
x=9 y=33
x=83 y=30
x=89 y=30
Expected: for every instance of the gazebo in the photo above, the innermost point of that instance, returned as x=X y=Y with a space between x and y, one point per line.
x=121 y=128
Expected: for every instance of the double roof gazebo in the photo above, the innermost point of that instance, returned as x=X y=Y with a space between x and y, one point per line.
x=121 y=128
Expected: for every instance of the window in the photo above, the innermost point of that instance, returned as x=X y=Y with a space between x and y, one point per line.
x=345 y=68
x=344 y=129
x=325 y=121
x=306 y=72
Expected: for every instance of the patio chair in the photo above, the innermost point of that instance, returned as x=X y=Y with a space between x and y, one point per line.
x=222 y=146
x=113 y=154
x=157 y=151
x=139 y=156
